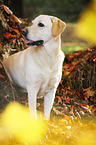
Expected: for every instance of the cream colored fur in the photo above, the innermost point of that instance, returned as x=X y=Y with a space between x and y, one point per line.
x=39 y=69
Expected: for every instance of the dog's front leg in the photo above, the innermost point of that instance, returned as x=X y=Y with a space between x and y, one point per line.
x=32 y=97
x=48 y=103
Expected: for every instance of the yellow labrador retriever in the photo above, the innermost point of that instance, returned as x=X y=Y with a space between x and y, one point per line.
x=38 y=69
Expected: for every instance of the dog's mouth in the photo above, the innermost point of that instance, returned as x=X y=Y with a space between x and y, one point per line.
x=31 y=42
x=34 y=43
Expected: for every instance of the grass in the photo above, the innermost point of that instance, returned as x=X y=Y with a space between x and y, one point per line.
x=71 y=47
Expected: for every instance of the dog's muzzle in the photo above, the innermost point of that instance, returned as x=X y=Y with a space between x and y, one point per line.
x=31 y=42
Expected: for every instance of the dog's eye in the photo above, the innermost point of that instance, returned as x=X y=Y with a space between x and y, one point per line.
x=40 y=24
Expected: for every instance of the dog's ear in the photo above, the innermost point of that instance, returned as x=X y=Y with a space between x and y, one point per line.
x=58 y=26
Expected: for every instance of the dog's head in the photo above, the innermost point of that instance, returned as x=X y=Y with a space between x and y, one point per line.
x=43 y=29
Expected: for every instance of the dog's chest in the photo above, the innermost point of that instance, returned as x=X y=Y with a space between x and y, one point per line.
x=46 y=72
x=44 y=87
x=47 y=81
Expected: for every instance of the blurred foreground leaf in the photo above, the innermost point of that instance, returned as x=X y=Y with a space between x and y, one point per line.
x=86 y=27
x=17 y=121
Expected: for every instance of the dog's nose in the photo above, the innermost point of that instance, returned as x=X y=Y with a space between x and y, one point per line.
x=24 y=32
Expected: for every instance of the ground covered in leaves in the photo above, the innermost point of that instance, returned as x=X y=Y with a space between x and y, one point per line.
x=19 y=129
x=64 y=133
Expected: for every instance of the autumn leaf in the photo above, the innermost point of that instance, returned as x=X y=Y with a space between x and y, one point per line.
x=16 y=30
x=17 y=20
x=1 y=76
x=8 y=35
x=67 y=99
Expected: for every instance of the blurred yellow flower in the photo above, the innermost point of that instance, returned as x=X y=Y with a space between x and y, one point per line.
x=86 y=26
x=17 y=120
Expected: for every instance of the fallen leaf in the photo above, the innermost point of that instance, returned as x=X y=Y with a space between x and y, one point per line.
x=8 y=35
x=1 y=76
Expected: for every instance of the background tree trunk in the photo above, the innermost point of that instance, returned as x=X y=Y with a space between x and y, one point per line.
x=16 y=6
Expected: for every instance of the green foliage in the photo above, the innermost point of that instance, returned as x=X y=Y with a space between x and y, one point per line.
x=67 y=10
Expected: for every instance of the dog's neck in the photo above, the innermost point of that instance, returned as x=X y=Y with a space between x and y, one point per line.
x=55 y=45
x=48 y=52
